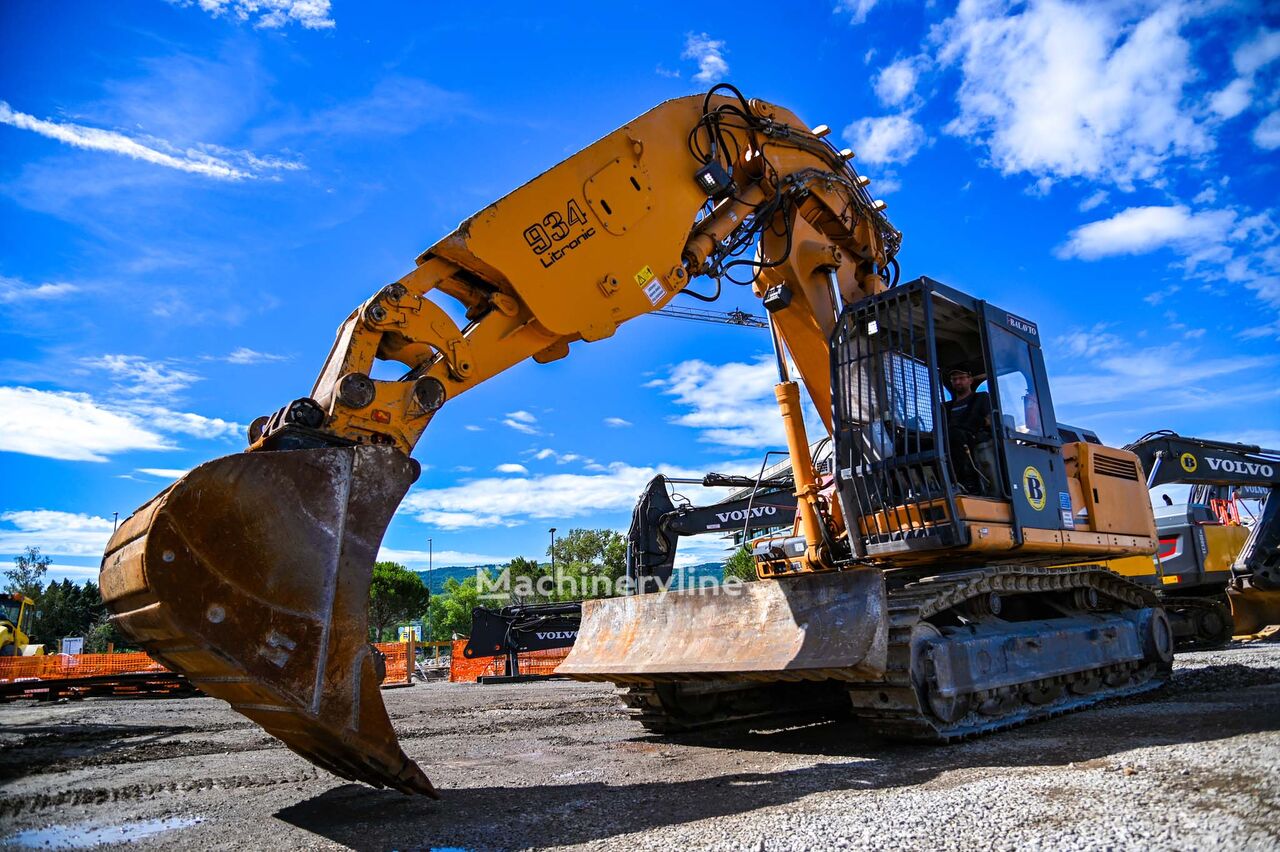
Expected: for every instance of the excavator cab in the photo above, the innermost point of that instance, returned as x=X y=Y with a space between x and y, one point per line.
x=1008 y=489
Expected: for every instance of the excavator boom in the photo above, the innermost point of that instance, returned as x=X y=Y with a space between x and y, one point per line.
x=250 y=575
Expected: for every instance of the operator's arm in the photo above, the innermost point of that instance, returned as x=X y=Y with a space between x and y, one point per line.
x=613 y=232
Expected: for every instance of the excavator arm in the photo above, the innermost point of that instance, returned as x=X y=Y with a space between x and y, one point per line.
x=251 y=574
x=612 y=233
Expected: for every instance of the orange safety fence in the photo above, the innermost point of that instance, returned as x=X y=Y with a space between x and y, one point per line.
x=462 y=670
x=73 y=666
x=68 y=666
x=396 y=655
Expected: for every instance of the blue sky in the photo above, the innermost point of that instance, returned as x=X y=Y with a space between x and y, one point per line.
x=194 y=195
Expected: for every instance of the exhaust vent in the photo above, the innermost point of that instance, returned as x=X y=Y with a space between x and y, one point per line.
x=1119 y=468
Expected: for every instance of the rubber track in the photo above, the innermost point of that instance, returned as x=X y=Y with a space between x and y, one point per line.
x=903 y=716
x=894 y=708
x=1201 y=642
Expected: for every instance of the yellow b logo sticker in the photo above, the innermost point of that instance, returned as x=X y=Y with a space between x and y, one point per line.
x=1188 y=462
x=1033 y=487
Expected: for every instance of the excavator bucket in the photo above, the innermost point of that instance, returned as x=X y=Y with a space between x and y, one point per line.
x=811 y=627
x=250 y=575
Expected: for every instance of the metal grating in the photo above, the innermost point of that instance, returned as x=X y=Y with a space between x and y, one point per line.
x=892 y=466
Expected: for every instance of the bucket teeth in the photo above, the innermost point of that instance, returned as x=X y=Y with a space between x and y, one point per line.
x=250 y=576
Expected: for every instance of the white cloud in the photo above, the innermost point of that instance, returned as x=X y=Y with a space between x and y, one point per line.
x=186 y=423
x=1208 y=195
x=1248 y=59
x=1090 y=341
x=1255 y=332
x=77 y=574
x=395 y=106
x=243 y=355
x=69 y=426
x=472 y=428
x=13 y=291
x=1066 y=90
x=1138 y=230
x=1128 y=374
x=1094 y=200
x=510 y=501
x=55 y=533
x=709 y=54
x=418 y=560
x=1267 y=134
x=1261 y=50
x=857 y=10
x=231 y=165
x=164 y=472
x=521 y=421
x=616 y=422
x=270 y=14
x=733 y=404
x=559 y=458
x=896 y=83
x=1234 y=99
x=143 y=377
x=1218 y=248
x=511 y=467
x=1155 y=297
x=76 y=427
x=888 y=139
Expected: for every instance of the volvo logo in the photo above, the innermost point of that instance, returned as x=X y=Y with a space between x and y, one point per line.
x=741 y=514
x=1233 y=466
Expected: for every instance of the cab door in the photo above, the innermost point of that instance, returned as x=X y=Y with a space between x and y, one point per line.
x=1024 y=421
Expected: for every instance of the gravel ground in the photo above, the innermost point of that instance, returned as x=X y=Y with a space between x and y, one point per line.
x=557 y=764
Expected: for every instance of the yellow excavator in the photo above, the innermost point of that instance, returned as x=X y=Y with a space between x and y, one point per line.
x=923 y=598
x=16 y=613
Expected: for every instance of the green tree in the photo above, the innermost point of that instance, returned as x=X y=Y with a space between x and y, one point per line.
x=395 y=595
x=523 y=574
x=67 y=609
x=26 y=577
x=450 y=613
x=102 y=634
x=595 y=559
x=741 y=565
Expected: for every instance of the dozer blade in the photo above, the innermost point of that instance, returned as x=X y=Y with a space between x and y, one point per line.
x=804 y=628
x=250 y=575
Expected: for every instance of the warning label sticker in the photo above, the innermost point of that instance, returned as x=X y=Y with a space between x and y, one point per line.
x=652 y=285
x=1064 y=504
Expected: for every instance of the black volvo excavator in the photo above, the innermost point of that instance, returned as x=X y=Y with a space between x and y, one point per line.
x=1218 y=576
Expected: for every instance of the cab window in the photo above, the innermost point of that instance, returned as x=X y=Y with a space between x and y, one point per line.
x=1015 y=383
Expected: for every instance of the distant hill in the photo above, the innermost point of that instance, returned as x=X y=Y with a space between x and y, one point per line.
x=435 y=579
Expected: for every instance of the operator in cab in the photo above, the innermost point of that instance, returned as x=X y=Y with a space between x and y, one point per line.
x=969 y=434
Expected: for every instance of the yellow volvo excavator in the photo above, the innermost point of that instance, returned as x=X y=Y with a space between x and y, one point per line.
x=927 y=605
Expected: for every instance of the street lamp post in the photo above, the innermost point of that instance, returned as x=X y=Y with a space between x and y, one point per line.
x=431 y=634
x=553 y=550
